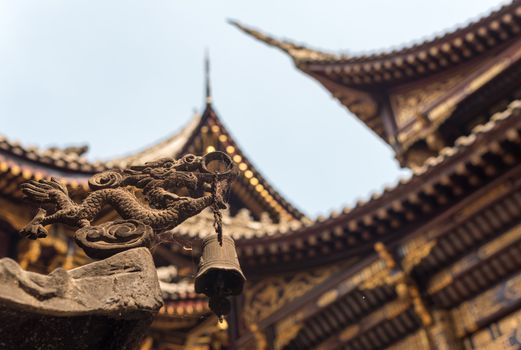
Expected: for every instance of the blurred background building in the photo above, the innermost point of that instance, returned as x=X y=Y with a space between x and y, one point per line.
x=432 y=262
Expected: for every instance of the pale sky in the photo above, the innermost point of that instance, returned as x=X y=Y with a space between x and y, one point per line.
x=120 y=75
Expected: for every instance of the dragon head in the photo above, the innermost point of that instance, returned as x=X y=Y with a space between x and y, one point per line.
x=195 y=173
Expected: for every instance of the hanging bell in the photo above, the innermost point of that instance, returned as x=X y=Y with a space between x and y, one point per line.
x=219 y=274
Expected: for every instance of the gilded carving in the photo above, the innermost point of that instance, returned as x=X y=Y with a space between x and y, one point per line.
x=415 y=251
x=327 y=298
x=488 y=75
x=371 y=276
x=447 y=107
x=407 y=106
x=444 y=109
x=358 y=102
x=471 y=312
x=210 y=334
x=398 y=277
x=265 y=297
x=502 y=335
x=260 y=337
x=349 y=333
x=443 y=278
x=286 y=330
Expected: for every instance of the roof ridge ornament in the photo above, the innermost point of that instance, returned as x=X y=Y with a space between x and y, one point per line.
x=208 y=87
x=298 y=53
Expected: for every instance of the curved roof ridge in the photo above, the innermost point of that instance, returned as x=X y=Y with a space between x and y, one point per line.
x=296 y=51
x=462 y=143
x=412 y=44
x=432 y=162
x=73 y=159
x=301 y=52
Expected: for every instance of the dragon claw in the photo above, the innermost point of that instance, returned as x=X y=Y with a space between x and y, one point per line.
x=33 y=231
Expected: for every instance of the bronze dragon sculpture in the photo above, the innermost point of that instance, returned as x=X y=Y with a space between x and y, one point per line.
x=150 y=199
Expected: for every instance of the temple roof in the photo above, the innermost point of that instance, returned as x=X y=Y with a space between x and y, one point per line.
x=442 y=180
x=364 y=82
x=427 y=57
x=258 y=239
x=202 y=134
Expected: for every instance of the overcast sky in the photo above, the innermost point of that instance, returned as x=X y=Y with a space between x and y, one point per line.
x=119 y=75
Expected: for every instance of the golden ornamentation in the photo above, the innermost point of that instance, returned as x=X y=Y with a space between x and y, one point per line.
x=444 y=278
x=349 y=333
x=397 y=276
x=502 y=335
x=358 y=102
x=260 y=337
x=409 y=105
x=447 y=107
x=441 y=280
x=373 y=276
x=500 y=243
x=385 y=255
x=147 y=344
x=488 y=75
x=29 y=252
x=267 y=296
x=444 y=109
x=207 y=335
x=327 y=298
x=415 y=251
x=471 y=312
x=286 y=330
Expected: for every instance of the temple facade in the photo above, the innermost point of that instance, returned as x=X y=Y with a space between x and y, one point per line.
x=433 y=262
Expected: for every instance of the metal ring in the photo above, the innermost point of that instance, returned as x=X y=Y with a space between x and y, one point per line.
x=217 y=156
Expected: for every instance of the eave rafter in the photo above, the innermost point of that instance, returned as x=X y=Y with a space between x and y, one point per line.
x=495 y=208
x=368 y=303
x=494 y=303
x=485 y=267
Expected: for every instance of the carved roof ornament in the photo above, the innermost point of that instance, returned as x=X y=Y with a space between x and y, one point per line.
x=151 y=199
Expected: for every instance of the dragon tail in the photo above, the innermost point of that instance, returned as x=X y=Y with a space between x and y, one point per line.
x=47 y=191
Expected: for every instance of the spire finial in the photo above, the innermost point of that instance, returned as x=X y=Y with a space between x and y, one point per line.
x=207 y=77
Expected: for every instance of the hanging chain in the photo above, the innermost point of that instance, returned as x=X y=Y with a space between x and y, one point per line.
x=217 y=194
